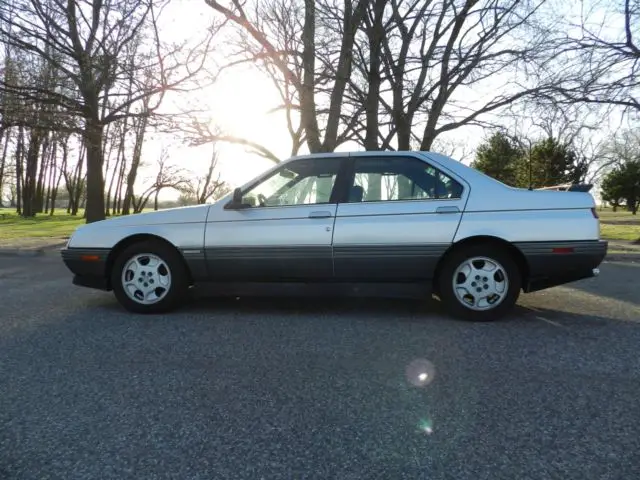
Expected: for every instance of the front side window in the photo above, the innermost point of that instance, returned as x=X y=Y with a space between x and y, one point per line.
x=302 y=182
x=389 y=179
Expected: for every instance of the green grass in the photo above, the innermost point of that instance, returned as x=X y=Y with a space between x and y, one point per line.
x=60 y=225
x=620 y=232
x=621 y=216
x=620 y=225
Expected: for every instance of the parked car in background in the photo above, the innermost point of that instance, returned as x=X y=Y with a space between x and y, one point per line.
x=362 y=223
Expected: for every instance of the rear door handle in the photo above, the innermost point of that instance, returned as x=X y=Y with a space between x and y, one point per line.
x=320 y=214
x=447 y=210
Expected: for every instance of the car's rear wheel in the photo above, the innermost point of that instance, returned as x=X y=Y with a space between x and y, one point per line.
x=479 y=282
x=149 y=277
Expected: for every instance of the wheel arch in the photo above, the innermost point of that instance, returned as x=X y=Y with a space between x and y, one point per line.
x=126 y=242
x=516 y=254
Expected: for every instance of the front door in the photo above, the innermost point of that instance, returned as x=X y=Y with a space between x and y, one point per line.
x=286 y=234
x=400 y=216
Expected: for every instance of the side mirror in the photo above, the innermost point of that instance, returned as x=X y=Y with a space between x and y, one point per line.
x=237 y=196
x=236 y=201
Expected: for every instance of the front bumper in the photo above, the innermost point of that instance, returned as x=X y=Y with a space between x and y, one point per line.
x=88 y=265
x=557 y=263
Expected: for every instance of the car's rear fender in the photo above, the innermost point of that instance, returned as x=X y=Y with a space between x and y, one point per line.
x=576 y=224
x=551 y=246
x=518 y=256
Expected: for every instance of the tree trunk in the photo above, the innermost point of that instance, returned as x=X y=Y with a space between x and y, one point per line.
x=135 y=163
x=62 y=169
x=116 y=173
x=95 y=181
x=3 y=161
x=107 y=168
x=54 y=194
x=78 y=182
x=12 y=197
x=29 y=189
x=403 y=130
x=51 y=175
x=117 y=200
x=47 y=196
x=429 y=136
x=19 y=154
x=44 y=166
x=375 y=33
x=351 y=21
x=308 y=114
x=118 y=205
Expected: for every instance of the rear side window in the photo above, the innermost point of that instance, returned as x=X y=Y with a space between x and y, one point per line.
x=392 y=179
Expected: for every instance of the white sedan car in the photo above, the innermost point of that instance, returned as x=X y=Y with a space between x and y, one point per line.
x=366 y=223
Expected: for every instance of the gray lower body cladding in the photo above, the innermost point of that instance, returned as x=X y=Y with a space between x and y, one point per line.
x=556 y=263
x=548 y=263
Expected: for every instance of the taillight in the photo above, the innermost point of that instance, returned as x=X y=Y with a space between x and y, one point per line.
x=594 y=212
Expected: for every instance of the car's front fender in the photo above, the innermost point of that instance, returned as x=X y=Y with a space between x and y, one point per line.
x=184 y=236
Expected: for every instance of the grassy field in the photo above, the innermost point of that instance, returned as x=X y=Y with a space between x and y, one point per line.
x=59 y=225
x=620 y=225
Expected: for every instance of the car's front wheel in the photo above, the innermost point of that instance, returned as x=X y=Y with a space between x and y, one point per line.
x=479 y=282
x=149 y=277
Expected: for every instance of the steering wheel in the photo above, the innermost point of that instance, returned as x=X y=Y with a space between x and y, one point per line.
x=261 y=199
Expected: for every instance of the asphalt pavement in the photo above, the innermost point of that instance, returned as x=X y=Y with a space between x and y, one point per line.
x=321 y=389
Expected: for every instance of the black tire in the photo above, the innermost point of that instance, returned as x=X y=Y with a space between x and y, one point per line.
x=458 y=257
x=173 y=296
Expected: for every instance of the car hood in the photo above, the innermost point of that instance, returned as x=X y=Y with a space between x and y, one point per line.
x=194 y=214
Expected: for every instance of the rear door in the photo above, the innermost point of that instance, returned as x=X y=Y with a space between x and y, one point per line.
x=399 y=216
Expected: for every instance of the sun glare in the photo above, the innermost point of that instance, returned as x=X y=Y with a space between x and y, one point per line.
x=239 y=103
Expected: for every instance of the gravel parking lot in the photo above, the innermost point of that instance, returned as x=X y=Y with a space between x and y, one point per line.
x=291 y=389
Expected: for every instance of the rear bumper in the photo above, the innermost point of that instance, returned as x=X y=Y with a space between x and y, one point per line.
x=557 y=263
x=89 y=266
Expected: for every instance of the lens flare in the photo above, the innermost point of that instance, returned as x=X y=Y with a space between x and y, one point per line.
x=425 y=426
x=420 y=372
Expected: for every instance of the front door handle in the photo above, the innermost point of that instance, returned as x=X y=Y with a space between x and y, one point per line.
x=447 y=210
x=321 y=214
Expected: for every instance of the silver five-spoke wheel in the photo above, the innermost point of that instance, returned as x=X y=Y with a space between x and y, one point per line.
x=480 y=283
x=146 y=278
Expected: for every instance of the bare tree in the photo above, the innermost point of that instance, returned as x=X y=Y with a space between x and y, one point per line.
x=604 y=60
x=390 y=73
x=199 y=132
x=85 y=41
x=211 y=186
x=435 y=56
x=75 y=179
x=577 y=125
x=167 y=176
x=140 y=124
x=321 y=109
x=4 y=148
x=281 y=22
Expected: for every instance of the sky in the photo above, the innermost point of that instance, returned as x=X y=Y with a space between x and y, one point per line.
x=239 y=103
